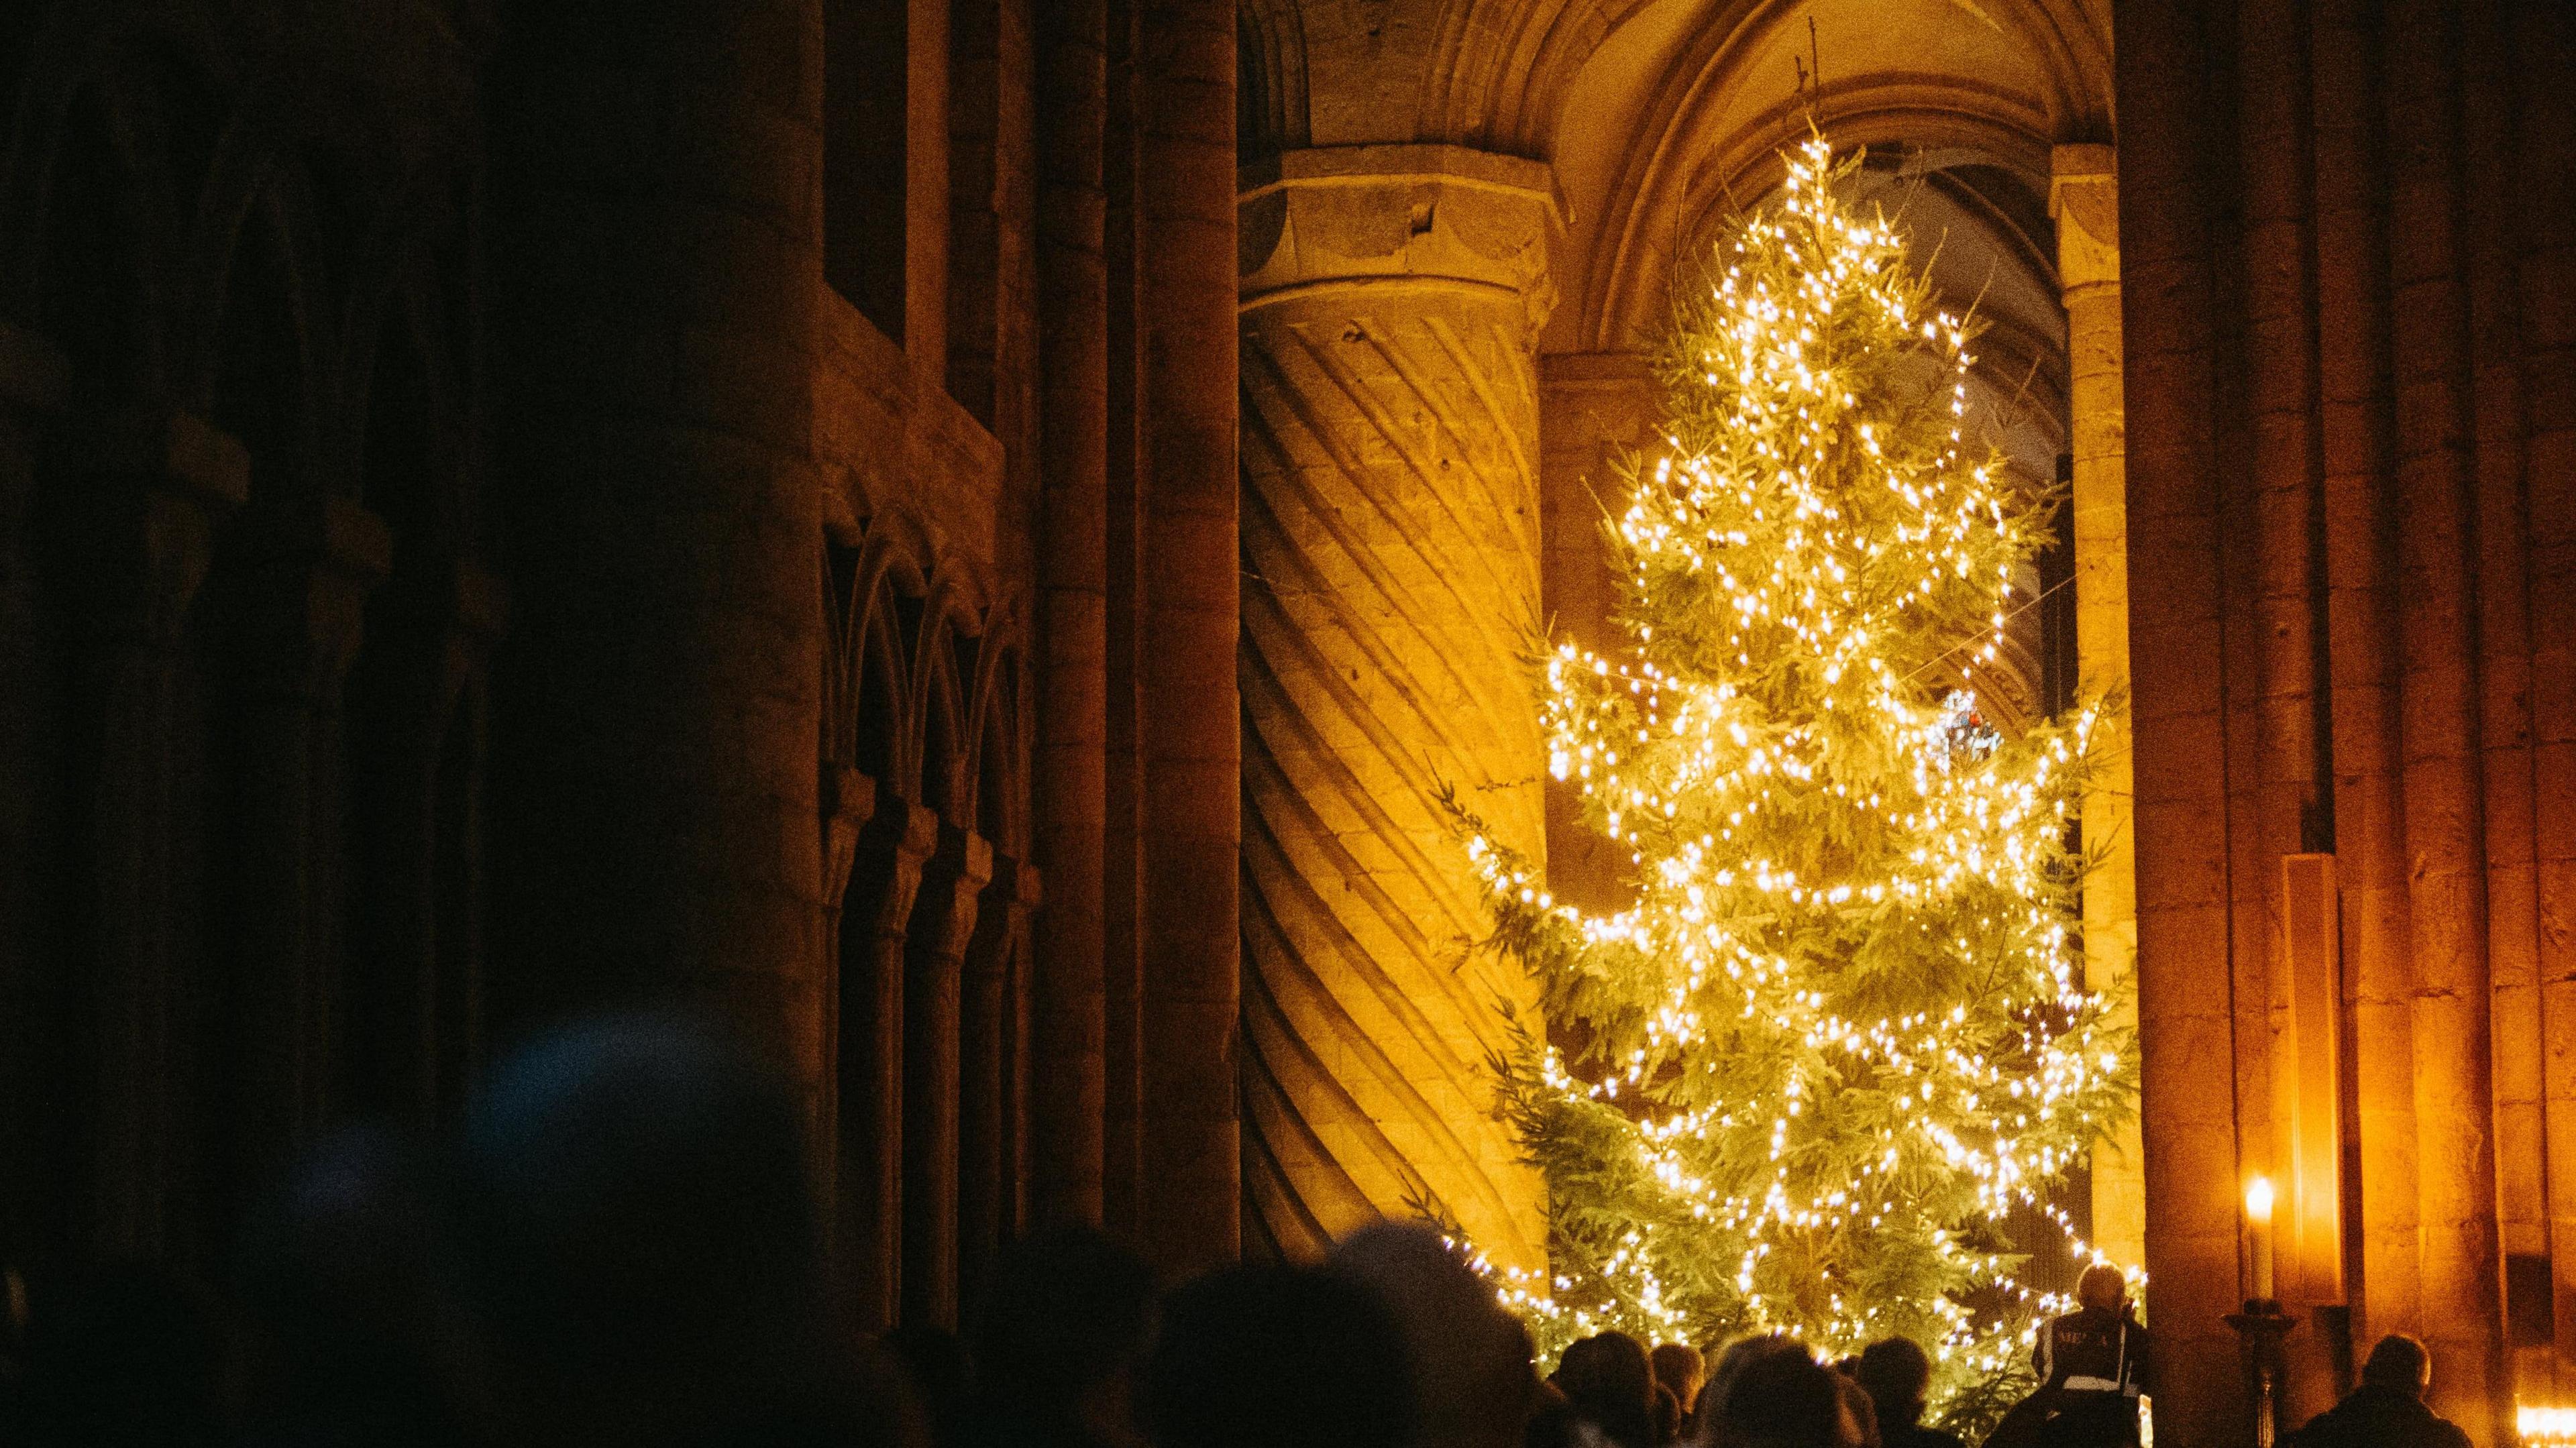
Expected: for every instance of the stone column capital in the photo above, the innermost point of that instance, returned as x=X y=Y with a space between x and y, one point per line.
x=2084 y=201
x=1372 y=217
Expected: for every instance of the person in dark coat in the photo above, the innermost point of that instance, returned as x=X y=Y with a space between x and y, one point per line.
x=2092 y=1367
x=2387 y=1410
x=1896 y=1373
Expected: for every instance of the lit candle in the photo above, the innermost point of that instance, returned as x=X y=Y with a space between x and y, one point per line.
x=2258 y=1219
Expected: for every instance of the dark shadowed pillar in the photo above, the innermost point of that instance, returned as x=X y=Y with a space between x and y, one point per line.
x=2445 y=828
x=892 y=854
x=2543 y=53
x=1187 y=716
x=943 y=921
x=657 y=275
x=2185 y=1033
x=2353 y=428
x=133 y=551
x=34 y=1205
x=1069 y=793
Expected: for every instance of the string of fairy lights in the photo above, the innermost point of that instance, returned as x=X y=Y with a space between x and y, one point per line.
x=1841 y=1034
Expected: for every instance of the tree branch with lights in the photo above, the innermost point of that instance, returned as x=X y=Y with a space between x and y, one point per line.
x=1842 y=1033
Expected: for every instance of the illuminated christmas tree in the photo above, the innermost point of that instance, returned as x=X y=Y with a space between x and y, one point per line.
x=1842 y=1033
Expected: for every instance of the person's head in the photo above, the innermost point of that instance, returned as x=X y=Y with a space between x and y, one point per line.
x=2399 y=1362
x=1730 y=1365
x=1611 y=1367
x=1896 y=1374
x=1060 y=1333
x=1785 y=1399
x=1680 y=1367
x=2102 y=1288
x=1611 y=1382
x=1472 y=1379
x=1277 y=1357
x=645 y=1243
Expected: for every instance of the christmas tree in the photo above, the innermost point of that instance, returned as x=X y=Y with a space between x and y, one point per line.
x=1842 y=1033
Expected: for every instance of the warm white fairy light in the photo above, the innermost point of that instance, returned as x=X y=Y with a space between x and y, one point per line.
x=1842 y=1032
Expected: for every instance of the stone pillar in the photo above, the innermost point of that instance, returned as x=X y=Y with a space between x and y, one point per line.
x=888 y=856
x=1070 y=788
x=412 y=998
x=943 y=921
x=1391 y=303
x=990 y=1047
x=308 y=569
x=2441 y=776
x=1188 y=734
x=34 y=1016
x=2354 y=426
x=134 y=551
x=2178 y=716
x=656 y=274
x=2084 y=198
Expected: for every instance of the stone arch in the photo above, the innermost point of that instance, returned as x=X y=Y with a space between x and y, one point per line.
x=1270 y=77
x=998 y=768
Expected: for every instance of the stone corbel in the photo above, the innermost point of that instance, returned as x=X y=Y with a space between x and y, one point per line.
x=2084 y=201
x=133 y=535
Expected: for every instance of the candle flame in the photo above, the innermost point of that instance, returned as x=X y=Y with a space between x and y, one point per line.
x=2258 y=1200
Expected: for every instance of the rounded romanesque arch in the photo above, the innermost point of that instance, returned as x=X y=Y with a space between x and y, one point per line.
x=1447 y=295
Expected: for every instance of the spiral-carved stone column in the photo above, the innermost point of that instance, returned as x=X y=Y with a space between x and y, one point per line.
x=1391 y=302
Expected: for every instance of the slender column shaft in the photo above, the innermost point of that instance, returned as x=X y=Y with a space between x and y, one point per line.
x=890 y=853
x=2544 y=52
x=35 y=1188
x=2353 y=410
x=1187 y=732
x=989 y=1046
x=309 y=575
x=2085 y=199
x=1070 y=792
x=2504 y=672
x=2185 y=1025
x=943 y=922
x=1122 y=912
x=2445 y=830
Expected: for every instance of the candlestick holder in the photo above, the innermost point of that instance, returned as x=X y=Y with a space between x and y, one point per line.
x=2260 y=1329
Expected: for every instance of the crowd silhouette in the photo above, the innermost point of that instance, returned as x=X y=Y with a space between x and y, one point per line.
x=621 y=1245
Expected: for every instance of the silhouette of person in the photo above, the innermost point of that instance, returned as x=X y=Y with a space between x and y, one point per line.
x=1473 y=1378
x=1896 y=1373
x=2387 y=1410
x=1610 y=1380
x=1277 y=1357
x=645 y=1246
x=1058 y=1340
x=1781 y=1397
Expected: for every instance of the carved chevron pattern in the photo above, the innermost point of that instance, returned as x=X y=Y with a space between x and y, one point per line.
x=1390 y=542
